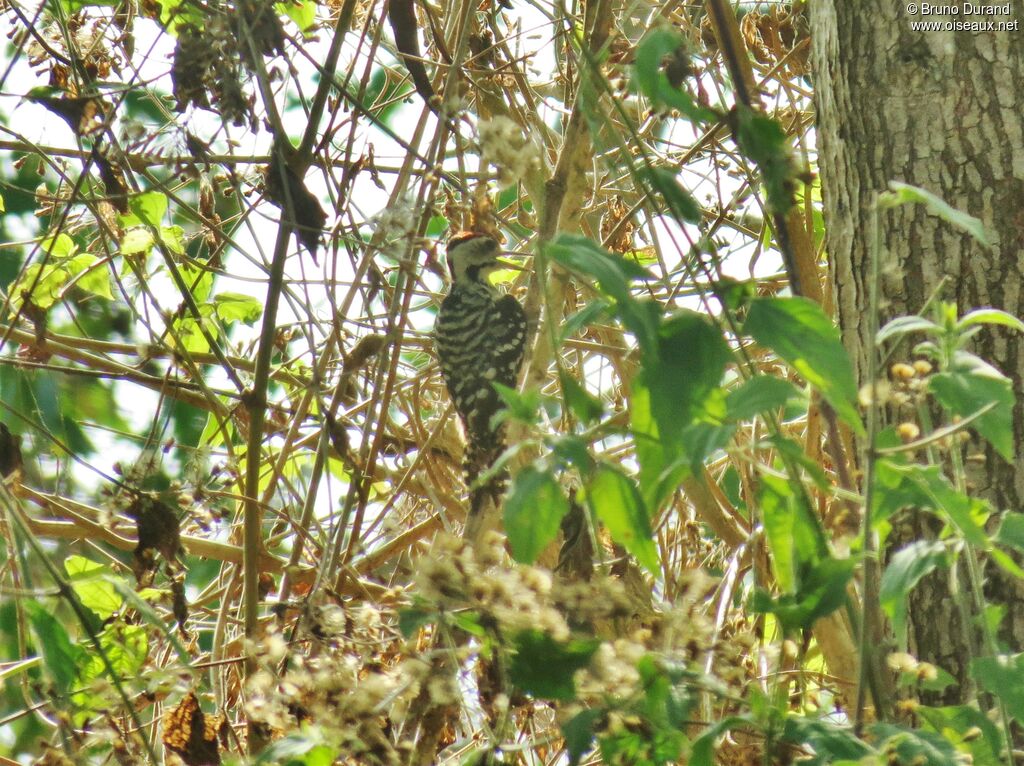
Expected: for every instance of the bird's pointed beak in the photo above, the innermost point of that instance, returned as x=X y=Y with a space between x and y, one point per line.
x=507 y=264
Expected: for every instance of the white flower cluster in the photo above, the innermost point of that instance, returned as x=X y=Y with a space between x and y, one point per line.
x=504 y=145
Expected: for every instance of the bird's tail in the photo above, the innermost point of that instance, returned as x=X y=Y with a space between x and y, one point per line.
x=480 y=458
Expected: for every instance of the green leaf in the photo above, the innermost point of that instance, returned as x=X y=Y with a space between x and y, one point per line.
x=579 y=733
x=174 y=238
x=412 y=619
x=762 y=393
x=302 y=12
x=613 y=275
x=678 y=200
x=684 y=373
x=914 y=746
x=533 y=512
x=149 y=207
x=702 y=750
x=1011 y=530
x=968 y=514
x=136 y=240
x=901 y=326
x=96 y=279
x=89 y=580
x=650 y=78
x=763 y=140
x=59 y=246
x=965 y=392
x=305 y=748
x=150 y=615
x=587 y=315
x=60 y=657
x=830 y=743
x=544 y=667
x=955 y=722
x=616 y=501
x=820 y=591
x=522 y=406
x=794 y=535
x=990 y=316
x=46 y=285
x=801 y=334
x=1002 y=676
x=584 y=405
x=235 y=307
x=902 y=194
x=612 y=272
x=904 y=571
x=198 y=281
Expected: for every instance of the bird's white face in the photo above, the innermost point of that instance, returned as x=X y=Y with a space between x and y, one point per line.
x=472 y=257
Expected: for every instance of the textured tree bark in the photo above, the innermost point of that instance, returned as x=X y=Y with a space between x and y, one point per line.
x=943 y=111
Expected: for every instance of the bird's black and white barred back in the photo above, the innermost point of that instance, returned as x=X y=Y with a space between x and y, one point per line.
x=480 y=337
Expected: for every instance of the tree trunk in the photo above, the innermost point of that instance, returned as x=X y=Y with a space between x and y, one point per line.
x=943 y=111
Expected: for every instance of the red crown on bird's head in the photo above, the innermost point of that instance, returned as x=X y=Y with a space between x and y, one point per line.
x=464 y=236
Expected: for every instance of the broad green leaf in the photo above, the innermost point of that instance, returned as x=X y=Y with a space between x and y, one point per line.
x=901 y=326
x=174 y=238
x=613 y=275
x=651 y=79
x=763 y=140
x=966 y=392
x=679 y=202
x=914 y=746
x=235 y=307
x=198 y=281
x=991 y=316
x=702 y=751
x=1002 y=676
x=820 y=591
x=60 y=657
x=191 y=336
x=126 y=648
x=136 y=240
x=1011 y=530
x=901 y=194
x=669 y=697
x=42 y=285
x=794 y=536
x=89 y=580
x=616 y=501
x=612 y=272
x=137 y=600
x=589 y=314
x=412 y=619
x=95 y=279
x=662 y=463
x=684 y=374
x=801 y=334
x=544 y=667
x=302 y=12
x=533 y=512
x=579 y=733
x=959 y=724
x=519 y=405
x=762 y=393
x=59 y=246
x=830 y=742
x=903 y=572
x=584 y=405
x=149 y=207
x=305 y=748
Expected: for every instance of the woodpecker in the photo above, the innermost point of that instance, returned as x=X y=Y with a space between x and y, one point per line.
x=480 y=337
